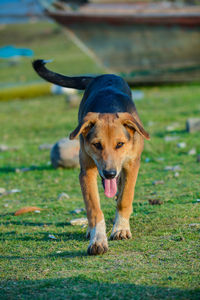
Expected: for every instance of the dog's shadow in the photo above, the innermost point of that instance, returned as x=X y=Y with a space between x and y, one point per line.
x=59 y=254
x=48 y=235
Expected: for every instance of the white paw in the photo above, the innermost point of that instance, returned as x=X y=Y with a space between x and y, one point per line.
x=121 y=228
x=98 y=239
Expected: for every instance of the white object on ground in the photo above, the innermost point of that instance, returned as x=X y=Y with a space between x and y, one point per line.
x=79 y=221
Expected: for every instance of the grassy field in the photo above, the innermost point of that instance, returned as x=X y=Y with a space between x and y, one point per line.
x=161 y=261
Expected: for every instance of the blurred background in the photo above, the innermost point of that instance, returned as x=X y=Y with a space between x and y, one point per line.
x=147 y=42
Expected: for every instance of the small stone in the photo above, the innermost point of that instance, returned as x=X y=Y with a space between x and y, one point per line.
x=192 y=151
x=65 y=154
x=58 y=252
x=13 y=191
x=193 y=125
x=80 y=221
x=2 y=191
x=194 y=225
x=63 y=196
x=155 y=202
x=6 y=205
x=18 y=170
x=37 y=211
x=3 y=148
x=78 y=210
x=181 y=145
x=45 y=147
x=156 y=182
x=198 y=158
x=168 y=138
x=6 y=148
x=24 y=170
x=172 y=127
x=176 y=168
x=176 y=174
x=52 y=237
x=170 y=168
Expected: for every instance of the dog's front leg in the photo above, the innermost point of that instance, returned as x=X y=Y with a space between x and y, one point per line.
x=97 y=228
x=121 y=227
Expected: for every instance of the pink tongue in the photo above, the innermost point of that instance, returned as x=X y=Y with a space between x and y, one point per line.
x=110 y=187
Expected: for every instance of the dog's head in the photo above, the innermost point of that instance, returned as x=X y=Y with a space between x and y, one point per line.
x=110 y=140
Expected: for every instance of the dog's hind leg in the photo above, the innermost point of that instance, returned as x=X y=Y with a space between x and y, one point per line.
x=97 y=228
x=121 y=228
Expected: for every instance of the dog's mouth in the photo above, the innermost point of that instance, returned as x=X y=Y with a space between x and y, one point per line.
x=110 y=187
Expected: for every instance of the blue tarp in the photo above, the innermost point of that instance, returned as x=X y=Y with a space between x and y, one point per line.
x=10 y=51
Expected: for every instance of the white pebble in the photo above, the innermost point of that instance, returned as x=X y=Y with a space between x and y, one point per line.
x=193 y=151
x=194 y=225
x=51 y=236
x=2 y=191
x=3 y=148
x=170 y=138
x=80 y=221
x=171 y=168
x=62 y=196
x=78 y=210
x=156 y=182
x=13 y=191
x=181 y=145
x=172 y=127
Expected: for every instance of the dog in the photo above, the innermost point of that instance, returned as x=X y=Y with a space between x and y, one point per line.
x=111 y=142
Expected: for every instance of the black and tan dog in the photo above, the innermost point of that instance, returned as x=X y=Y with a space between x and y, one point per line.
x=111 y=139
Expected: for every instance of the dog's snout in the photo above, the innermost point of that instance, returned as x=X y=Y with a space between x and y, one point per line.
x=109 y=174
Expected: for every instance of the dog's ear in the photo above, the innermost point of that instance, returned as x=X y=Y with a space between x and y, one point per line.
x=82 y=128
x=85 y=126
x=129 y=121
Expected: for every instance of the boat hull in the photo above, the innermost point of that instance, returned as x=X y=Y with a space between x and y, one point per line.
x=143 y=49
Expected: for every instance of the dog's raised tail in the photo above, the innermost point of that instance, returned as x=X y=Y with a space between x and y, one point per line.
x=76 y=82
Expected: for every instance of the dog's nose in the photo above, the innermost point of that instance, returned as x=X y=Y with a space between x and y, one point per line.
x=109 y=174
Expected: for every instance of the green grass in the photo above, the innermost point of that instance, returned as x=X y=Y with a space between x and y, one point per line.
x=161 y=261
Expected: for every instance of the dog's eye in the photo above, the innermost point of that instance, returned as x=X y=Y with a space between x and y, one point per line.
x=119 y=145
x=98 y=146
